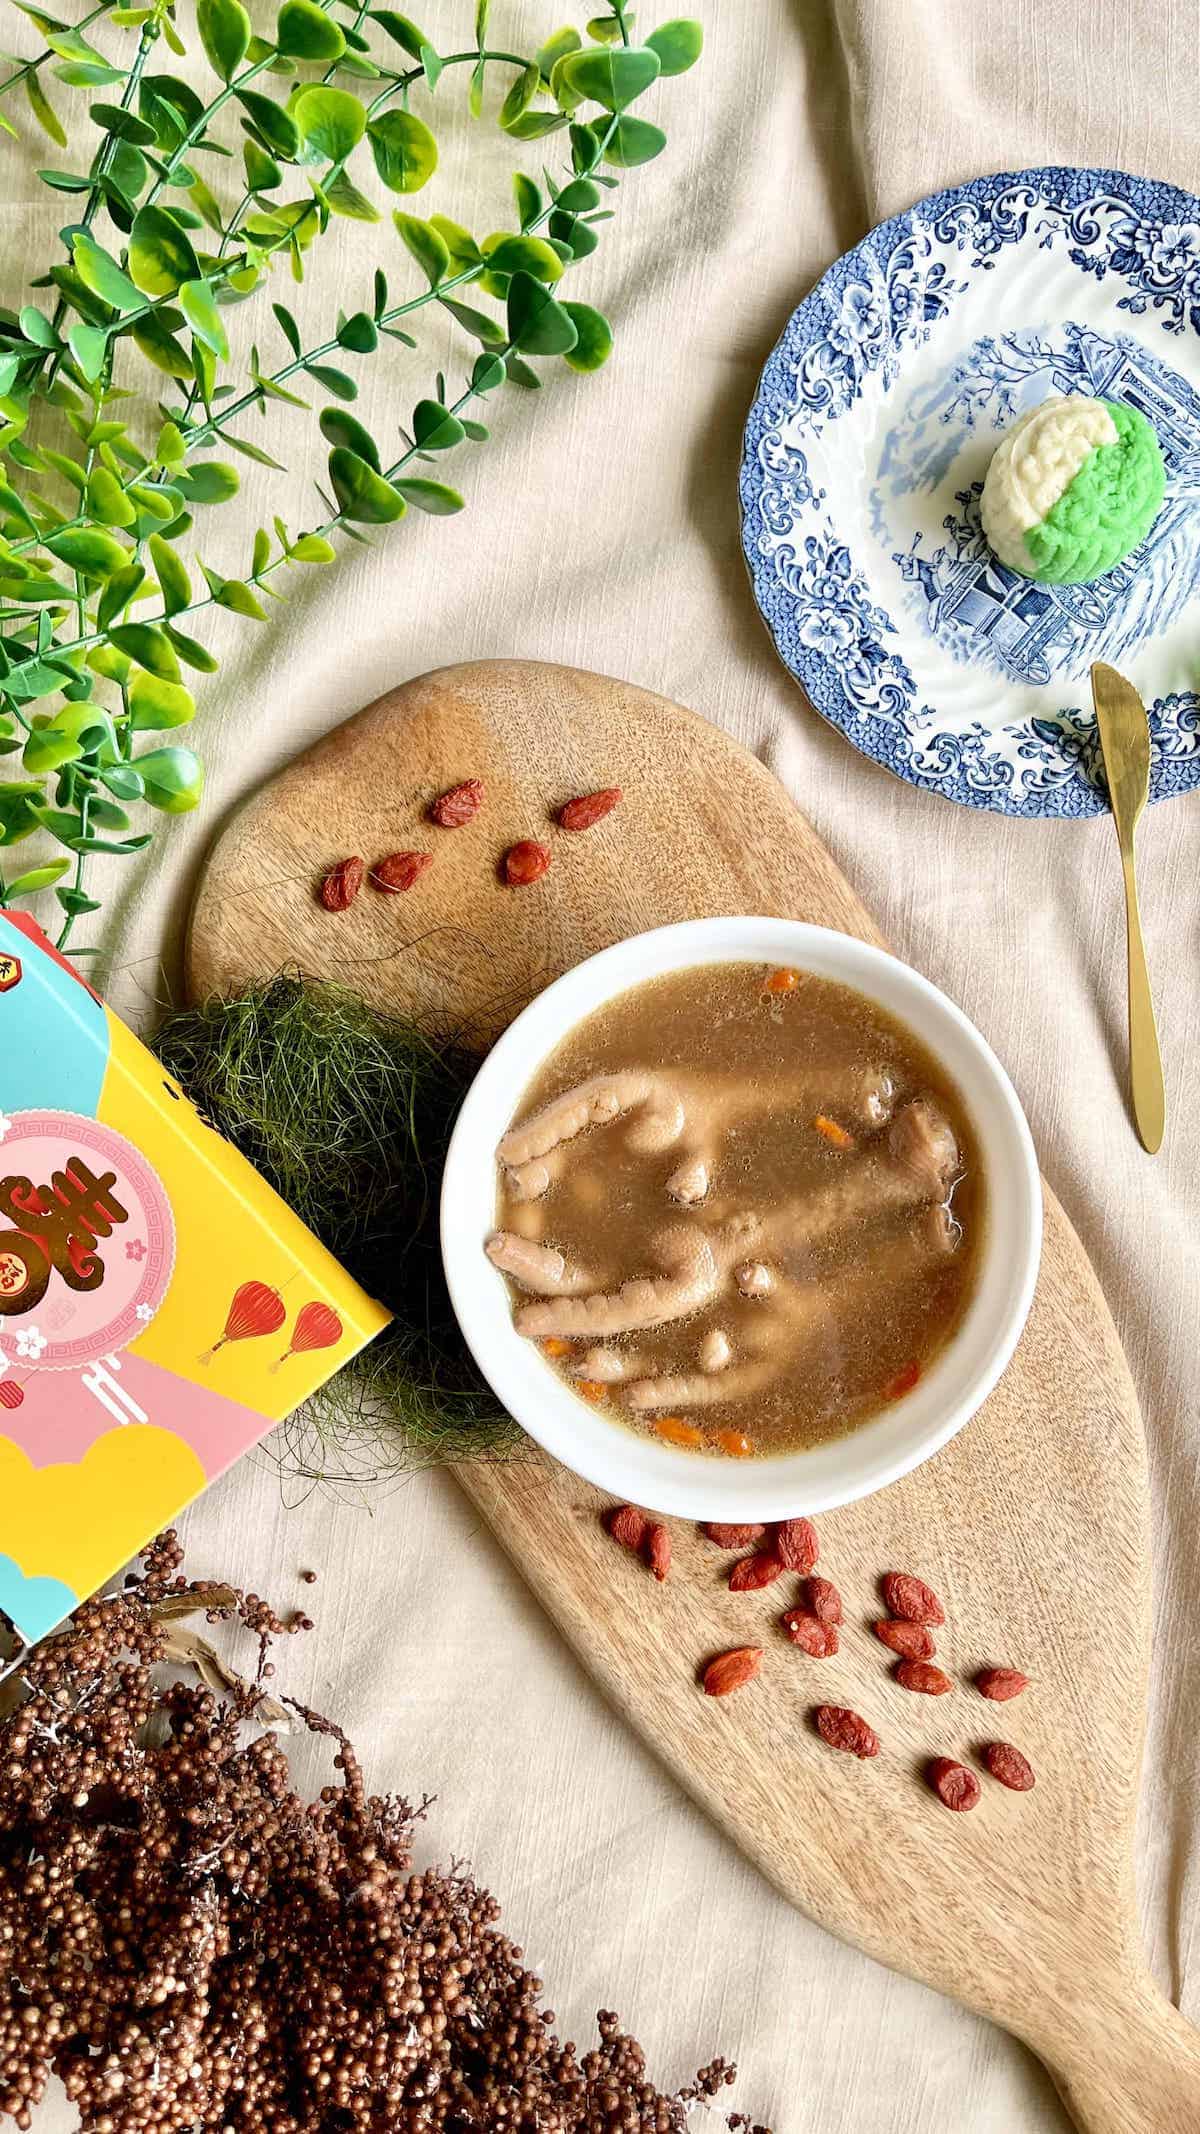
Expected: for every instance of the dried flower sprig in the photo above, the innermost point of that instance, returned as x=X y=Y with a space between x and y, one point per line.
x=91 y=688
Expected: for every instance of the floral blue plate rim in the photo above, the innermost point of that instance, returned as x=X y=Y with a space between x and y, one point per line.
x=878 y=304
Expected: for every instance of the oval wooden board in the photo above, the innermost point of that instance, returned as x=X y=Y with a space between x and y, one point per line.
x=1032 y=1525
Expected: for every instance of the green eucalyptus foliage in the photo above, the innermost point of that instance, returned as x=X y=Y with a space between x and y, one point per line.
x=99 y=571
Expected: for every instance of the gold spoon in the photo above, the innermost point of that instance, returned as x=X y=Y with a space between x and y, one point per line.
x=1125 y=743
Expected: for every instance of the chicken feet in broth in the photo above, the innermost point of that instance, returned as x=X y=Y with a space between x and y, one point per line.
x=758 y=1204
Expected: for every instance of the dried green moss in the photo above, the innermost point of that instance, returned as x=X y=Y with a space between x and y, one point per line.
x=347 y=1113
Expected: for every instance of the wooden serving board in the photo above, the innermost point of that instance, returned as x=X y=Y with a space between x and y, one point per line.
x=1032 y=1524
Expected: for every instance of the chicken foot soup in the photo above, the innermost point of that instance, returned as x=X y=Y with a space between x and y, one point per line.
x=740 y=1206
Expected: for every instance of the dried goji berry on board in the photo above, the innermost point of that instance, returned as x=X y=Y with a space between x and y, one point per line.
x=927 y=1681
x=399 y=871
x=912 y=1640
x=461 y=804
x=729 y=1670
x=658 y=1550
x=732 y=1537
x=627 y=1525
x=819 y=1640
x=589 y=808
x=844 y=1729
x=955 y=1786
x=796 y=1545
x=525 y=862
x=342 y=884
x=753 y=1572
x=1005 y=1762
x=911 y=1599
x=822 y=1599
x=1000 y=1684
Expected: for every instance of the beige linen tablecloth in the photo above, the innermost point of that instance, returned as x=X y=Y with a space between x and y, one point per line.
x=602 y=530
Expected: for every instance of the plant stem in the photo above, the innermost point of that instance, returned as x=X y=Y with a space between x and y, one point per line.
x=253 y=396
x=200 y=126
x=31 y=66
x=64 y=932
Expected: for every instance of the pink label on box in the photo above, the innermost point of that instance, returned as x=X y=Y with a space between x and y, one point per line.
x=87 y=1241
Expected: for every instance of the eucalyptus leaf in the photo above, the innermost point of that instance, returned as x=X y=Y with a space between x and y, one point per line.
x=528 y=198
x=35 y=878
x=402 y=30
x=160 y=252
x=209 y=481
x=304 y=31
x=65 y=181
x=530 y=256
x=275 y=127
x=678 y=44
x=155 y=705
x=98 y=270
x=162 y=349
x=173 y=581
x=287 y=327
x=614 y=78
x=358 y=332
x=345 y=199
x=537 y=323
x=363 y=496
x=117 y=595
x=312 y=548
x=459 y=243
x=44 y=111
x=329 y=122
x=262 y=171
x=198 y=305
x=334 y=381
x=606 y=29
x=435 y=428
x=433 y=497
x=404 y=149
x=535 y=125
x=148 y=646
x=89 y=346
x=634 y=142
x=572 y=231
x=190 y=652
x=339 y=428
x=593 y=337
x=173 y=779
x=225 y=33
x=518 y=372
x=556 y=48
x=476 y=323
x=123 y=125
x=428 y=248
x=520 y=96
x=90 y=550
x=107 y=500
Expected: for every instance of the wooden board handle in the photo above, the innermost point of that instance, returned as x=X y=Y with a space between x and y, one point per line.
x=1134 y=2067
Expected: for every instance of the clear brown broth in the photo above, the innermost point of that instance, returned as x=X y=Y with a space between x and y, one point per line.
x=856 y=1313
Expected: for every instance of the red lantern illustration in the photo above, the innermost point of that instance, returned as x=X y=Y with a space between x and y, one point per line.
x=11 y=1394
x=317 y=1327
x=256 y=1309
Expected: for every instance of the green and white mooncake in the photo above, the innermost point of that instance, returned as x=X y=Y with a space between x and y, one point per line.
x=1072 y=488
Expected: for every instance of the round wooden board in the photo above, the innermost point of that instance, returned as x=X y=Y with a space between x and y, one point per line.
x=1032 y=1525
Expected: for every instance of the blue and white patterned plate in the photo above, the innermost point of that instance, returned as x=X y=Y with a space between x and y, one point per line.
x=864 y=459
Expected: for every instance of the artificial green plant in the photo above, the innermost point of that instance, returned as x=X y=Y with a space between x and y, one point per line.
x=99 y=577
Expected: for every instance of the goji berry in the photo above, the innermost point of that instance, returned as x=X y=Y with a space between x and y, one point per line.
x=911 y=1599
x=796 y=1545
x=955 y=1786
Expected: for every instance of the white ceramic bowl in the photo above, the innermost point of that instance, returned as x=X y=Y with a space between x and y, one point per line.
x=659 y=1476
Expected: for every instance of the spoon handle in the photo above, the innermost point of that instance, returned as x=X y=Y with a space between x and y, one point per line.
x=1145 y=1060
